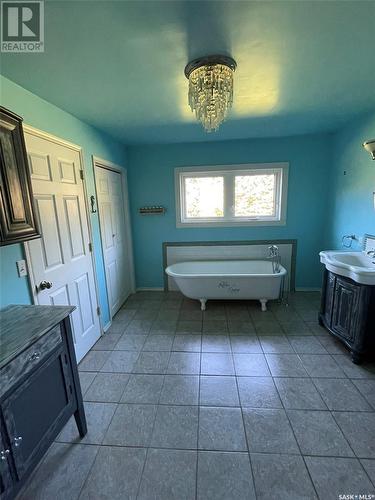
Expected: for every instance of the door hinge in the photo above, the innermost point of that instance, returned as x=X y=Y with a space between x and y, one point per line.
x=98 y=311
x=81 y=174
x=90 y=247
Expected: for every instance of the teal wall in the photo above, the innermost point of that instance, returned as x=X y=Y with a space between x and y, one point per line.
x=47 y=117
x=151 y=180
x=323 y=203
x=352 y=183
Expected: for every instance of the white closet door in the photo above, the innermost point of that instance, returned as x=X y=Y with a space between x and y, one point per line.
x=111 y=207
x=61 y=261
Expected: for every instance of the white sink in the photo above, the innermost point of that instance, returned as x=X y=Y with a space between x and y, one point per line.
x=358 y=266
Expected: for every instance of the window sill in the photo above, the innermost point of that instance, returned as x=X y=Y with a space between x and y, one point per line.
x=202 y=224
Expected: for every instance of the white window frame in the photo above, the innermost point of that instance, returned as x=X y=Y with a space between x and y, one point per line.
x=229 y=172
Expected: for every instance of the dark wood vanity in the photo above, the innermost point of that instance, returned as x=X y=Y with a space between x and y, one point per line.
x=348 y=312
x=39 y=388
x=18 y=220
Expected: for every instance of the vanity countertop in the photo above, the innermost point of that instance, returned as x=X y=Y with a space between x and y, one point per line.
x=22 y=325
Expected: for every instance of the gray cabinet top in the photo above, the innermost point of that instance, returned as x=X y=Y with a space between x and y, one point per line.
x=21 y=326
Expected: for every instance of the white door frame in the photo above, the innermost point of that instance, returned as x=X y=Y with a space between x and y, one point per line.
x=62 y=142
x=100 y=163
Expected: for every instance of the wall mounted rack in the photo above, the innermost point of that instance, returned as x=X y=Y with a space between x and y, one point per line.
x=154 y=210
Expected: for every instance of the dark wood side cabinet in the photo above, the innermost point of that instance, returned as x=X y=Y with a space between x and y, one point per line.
x=348 y=312
x=39 y=388
x=18 y=221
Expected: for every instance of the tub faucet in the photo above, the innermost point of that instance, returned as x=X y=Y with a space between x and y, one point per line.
x=273 y=250
x=274 y=254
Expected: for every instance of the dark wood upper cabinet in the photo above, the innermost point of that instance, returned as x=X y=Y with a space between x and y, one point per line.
x=18 y=221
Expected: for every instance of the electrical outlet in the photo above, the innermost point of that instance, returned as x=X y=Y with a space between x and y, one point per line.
x=21 y=267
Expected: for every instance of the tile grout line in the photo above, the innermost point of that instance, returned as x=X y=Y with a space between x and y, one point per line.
x=228 y=375
x=362 y=394
x=199 y=411
x=151 y=433
x=216 y=450
x=295 y=438
x=343 y=434
x=99 y=446
x=354 y=453
x=312 y=410
x=247 y=440
x=141 y=474
x=365 y=471
x=314 y=382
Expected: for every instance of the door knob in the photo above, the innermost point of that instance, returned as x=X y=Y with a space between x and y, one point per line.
x=45 y=284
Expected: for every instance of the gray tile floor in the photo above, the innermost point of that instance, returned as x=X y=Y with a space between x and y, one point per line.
x=228 y=404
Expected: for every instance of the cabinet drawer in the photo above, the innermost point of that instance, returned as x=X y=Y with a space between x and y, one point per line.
x=29 y=359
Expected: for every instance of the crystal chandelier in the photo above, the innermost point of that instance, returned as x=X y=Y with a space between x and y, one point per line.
x=211 y=89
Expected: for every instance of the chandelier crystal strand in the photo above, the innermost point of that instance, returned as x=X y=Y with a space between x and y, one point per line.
x=211 y=94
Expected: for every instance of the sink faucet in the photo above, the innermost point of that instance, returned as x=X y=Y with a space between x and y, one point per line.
x=371 y=253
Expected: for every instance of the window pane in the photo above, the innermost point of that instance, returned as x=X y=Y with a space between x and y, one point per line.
x=204 y=196
x=254 y=195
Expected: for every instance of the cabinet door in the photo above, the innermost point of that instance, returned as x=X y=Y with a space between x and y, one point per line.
x=17 y=218
x=5 y=477
x=345 y=308
x=329 y=298
x=36 y=410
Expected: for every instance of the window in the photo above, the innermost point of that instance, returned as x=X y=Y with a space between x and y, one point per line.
x=230 y=195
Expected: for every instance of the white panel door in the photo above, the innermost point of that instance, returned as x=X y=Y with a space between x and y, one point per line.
x=109 y=188
x=62 y=257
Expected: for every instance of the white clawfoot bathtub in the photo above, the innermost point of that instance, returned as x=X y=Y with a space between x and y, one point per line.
x=228 y=279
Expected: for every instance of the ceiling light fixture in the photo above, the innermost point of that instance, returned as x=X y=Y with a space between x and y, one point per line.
x=211 y=89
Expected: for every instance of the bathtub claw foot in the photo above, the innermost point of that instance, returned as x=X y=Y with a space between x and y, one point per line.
x=203 y=304
x=263 y=303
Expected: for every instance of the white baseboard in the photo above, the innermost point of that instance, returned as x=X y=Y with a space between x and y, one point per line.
x=107 y=326
x=150 y=289
x=308 y=289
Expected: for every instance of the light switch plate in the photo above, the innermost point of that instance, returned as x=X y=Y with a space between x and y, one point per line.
x=21 y=267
